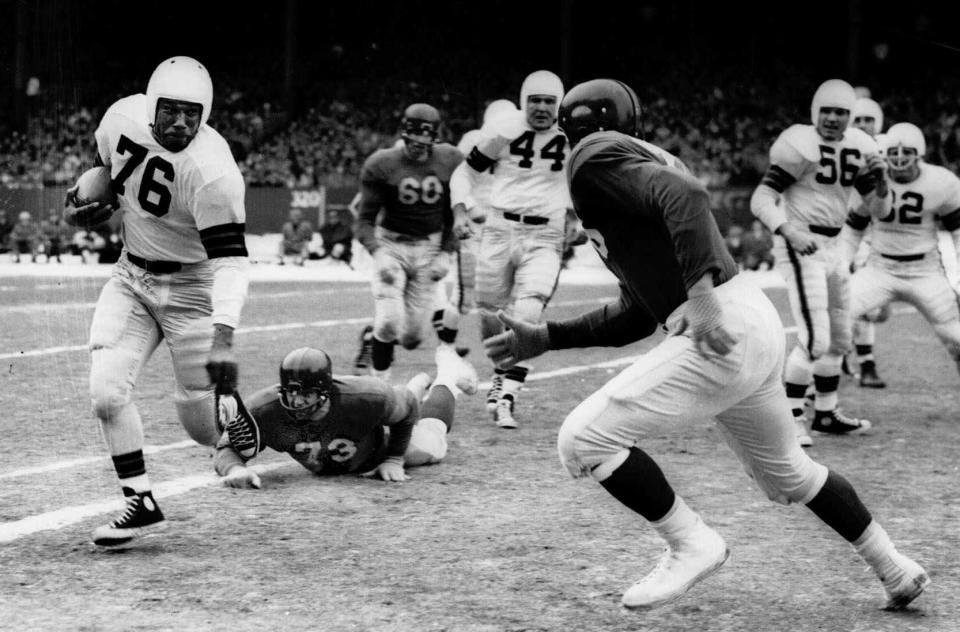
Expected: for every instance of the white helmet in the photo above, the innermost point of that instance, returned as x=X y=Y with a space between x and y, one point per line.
x=498 y=108
x=904 y=136
x=865 y=106
x=182 y=79
x=541 y=82
x=832 y=93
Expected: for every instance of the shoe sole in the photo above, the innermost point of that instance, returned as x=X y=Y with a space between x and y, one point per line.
x=881 y=385
x=696 y=580
x=858 y=431
x=902 y=601
x=805 y=442
x=117 y=543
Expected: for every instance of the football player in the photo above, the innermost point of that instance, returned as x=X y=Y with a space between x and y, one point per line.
x=406 y=224
x=182 y=276
x=334 y=424
x=867 y=116
x=651 y=223
x=904 y=262
x=803 y=199
x=446 y=319
x=523 y=234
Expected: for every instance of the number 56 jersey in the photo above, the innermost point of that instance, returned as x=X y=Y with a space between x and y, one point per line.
x=183 y=206
x=817 y=175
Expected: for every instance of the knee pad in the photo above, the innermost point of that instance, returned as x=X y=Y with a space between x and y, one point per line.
x=410 y=341
x=796 y=484
x=198 y=415
x=580 y=448
x=387 y=331
x=108 y=399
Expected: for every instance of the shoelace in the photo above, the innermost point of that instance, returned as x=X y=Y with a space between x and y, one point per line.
x=239 y=431
x=496 y=389
x=133 y=503
x=661 y=565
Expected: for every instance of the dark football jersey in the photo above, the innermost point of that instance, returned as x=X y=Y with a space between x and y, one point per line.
x=352 y=436
x=651 y=223
x=414 y=196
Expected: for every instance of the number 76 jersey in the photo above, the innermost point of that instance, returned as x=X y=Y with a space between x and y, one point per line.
x=529 y=176
x=183 y=206
x=820 y=173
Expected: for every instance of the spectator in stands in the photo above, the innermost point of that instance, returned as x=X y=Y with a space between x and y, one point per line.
x=56 y=234
x=296 y=238
x=337 y=235
x=88 y=244
x=6 y=227
x=25 y=237
x=756 y=246
x=734 y=239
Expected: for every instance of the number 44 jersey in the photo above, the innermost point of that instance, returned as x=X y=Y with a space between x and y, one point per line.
x=823 y=173
x=170 y=200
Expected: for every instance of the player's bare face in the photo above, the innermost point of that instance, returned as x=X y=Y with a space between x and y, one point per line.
x=832 y=122
x=177 y=123
x=541 y=111
x=867 y=124
x=902 y=164
x=308 y=405
x=416 y=151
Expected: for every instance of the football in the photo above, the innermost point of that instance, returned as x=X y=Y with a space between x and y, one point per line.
x=94 y=186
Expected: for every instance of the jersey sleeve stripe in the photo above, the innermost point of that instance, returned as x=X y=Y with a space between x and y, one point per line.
x=479 y=161
x=951 y=221
x=224 y=240
x=857 y=221
x=778 y=179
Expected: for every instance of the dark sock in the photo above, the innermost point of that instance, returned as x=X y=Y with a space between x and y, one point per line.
x=382 y=354
x=639 y=484
x=129 y=465
x=447 y=335
x=838 y=505
x=440 y=404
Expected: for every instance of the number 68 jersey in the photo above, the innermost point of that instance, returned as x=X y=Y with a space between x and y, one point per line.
x=529 y=177
x=816 y=176
x=183 y=206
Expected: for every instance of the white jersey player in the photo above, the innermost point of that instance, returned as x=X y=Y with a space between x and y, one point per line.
x=182 y=276
x=462 y=297
x=904 y=263
x=522 y=240
x=804 y=199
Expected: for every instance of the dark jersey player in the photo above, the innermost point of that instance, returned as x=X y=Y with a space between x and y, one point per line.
x=406 y=223
x=722 y=357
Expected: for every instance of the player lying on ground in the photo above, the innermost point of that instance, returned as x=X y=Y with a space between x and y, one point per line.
x=338 y=424
x=651 y=223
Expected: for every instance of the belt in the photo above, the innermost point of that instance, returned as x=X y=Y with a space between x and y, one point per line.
x=904 y=257
x=156 y=267
x=533 y=220
x=829 y=231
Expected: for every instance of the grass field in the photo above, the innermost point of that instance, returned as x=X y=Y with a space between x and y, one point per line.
x=496 y=538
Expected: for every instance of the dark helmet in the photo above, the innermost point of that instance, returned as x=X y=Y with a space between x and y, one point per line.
x=305 y=369
x=420 y=124
x=598 y=105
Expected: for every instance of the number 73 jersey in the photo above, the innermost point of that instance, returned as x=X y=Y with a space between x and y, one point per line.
x=823 y=173
x=183 y=206
x=529 y=176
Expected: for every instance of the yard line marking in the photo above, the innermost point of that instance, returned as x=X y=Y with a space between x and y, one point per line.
x=257 y=329
x=59 y=518
x=62 y=465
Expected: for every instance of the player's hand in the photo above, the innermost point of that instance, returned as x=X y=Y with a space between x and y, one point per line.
x=221 y=365
x=391 y=469
x=241 y=477
x=440 y=266
x=575 y=235
x=86 y=215
x=521 y=341
x=703 y=317
x=385 y=265
x=802 y=243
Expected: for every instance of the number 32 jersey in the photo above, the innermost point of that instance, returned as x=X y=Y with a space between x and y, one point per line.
x=823 y=172
x=183 y=206
x=529 y=176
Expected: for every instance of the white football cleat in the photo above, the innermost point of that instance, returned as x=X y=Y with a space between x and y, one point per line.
x=680 y=567
x=903 y=582
x=503 y=414
x=449 y=363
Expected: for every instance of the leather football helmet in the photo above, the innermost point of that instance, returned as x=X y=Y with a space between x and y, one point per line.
x=600 y=105
x=904 y=145
x=865 y=107
x=832 y=93
x=420 y=124
x=180 y=79
x=541 y=82
x=305 y=370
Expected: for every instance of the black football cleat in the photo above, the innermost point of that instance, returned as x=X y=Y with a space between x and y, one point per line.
x=141 y=515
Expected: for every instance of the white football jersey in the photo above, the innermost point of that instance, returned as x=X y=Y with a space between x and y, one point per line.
x=529 y=175
x=169 y=199
x=911 y=226
x=824 y=173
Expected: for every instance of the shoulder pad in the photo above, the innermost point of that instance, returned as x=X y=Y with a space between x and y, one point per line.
x=133 y=107
x=862 y=140
x=797 y=142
